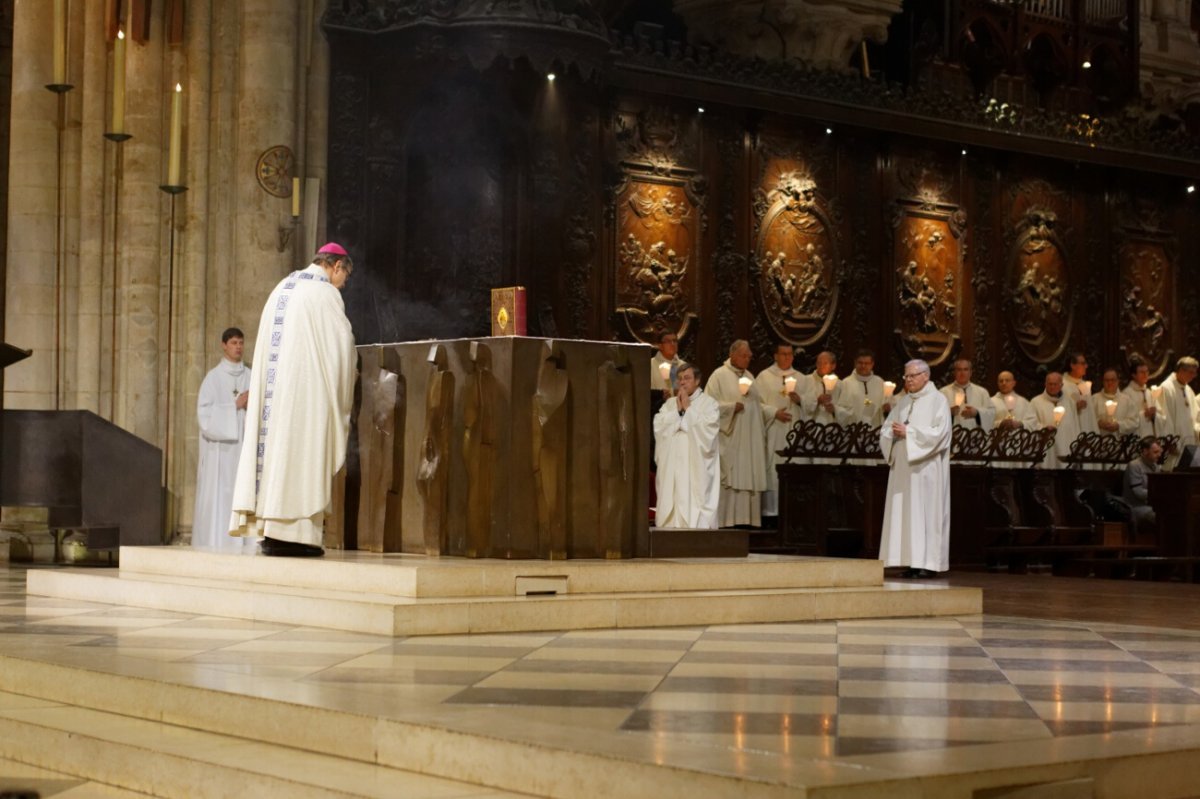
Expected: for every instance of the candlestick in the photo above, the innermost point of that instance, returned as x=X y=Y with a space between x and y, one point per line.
x=118 y=102
x=1059 y=412
x=889 y=388
x=176 y=140
x=60 y=42
x=744 y=384
x=296 y=209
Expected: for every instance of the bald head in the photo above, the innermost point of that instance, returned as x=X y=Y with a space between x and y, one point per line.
x=1006 y=382
x=1054 y=383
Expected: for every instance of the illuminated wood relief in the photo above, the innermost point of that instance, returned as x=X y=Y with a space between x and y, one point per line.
x=795 y=257
x=928 y=249
x=1146 y=258
x=1039 y=283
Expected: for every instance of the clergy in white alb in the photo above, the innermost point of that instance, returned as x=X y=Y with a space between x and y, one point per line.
x=824 y=412
x=688 y=457
x=859 y=397
x=1066 y=429
x=793 y=398
x=1078 y=390
x=1121 y=417
x=1013 y=412
x=1141 y=401
x=299 y=404
x=221 y=413
x=915 y=442
x=1177 y=404
x=975 y=408
x=743 y=444
x=668 y=357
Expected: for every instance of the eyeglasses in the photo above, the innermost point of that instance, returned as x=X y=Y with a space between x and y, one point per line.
x=913 y=376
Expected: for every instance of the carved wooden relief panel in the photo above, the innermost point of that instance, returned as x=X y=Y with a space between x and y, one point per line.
x=1038 y=286
x=658 y=222
x=796 y=255
x=928 y=249
x=1146 y=257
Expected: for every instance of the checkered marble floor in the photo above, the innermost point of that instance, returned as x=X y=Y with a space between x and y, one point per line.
x=805 y=690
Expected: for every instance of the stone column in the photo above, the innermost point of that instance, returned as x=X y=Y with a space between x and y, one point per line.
x=1170 y=55
x=30 y=280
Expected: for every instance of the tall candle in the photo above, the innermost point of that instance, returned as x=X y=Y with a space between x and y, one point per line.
x=1110 y=408
x=744 y=384
x=960 y=397
x=889 y=388
x=830 y=381
x=60 y=42
x=296 y=202
x=789 y=384
x=1085 y=388
x=173 y=157
x=1010 y=402
x=1059 y=412
x=118 y=101
x=664 y=369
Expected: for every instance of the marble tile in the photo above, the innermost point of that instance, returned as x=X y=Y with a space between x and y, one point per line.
x=571 y=681
x=588 y=667
x=748 y=685
x=552 y=698
x=1109 y=694
x=742 y=703
x=752 y=671
x=626 y=655
x=915 y=662
x=1024 y=678
x=1148 y=714
x=943 y=728
x=931 y=690
x=730 y=723
x=972 y=675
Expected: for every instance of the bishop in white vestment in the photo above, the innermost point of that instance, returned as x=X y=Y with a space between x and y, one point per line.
x=221 y=413
x=790 y=406
x=743 y=444
x=1177 y=404
x=299 y=403
x=1141 y=402
x=915 y=441
x=688 y=477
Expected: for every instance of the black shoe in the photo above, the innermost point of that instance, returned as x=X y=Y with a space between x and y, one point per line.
x=910 y=573
x=926 y=574
x=273 y=547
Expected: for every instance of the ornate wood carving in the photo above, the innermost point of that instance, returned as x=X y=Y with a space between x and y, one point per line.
x=811 y=439
x=1038 y=299
x=928 y=250
x=796 y=255
x=660 y=218
x=1146 y=256
x=1114 y=451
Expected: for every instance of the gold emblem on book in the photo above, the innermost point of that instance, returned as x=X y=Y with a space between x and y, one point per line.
x=502 y=318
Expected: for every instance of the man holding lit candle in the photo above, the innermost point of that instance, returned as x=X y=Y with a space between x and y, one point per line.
x=743 y=443
x=1140 y=401
x=970 y=405
x=1177 y=404
x=1112 y=410
x=1079 y=391
x=221 y=412
x=859 y=398
x=792 y=398
x=688 y=478
x=665 y=364
x=915 y=441
x=1055 y=411
x=300 y=399
x=825 y=380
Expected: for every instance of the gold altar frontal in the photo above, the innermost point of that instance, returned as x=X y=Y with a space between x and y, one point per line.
x=506 y=447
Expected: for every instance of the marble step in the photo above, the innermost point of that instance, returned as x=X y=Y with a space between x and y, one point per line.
x=379 y=614
x=417 y=576
x=151 y=758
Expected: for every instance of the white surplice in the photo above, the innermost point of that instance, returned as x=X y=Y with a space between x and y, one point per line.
x=916 y=514
x=1067 y=430
x=1178 y=414
x=859 y=399
x=688 y=477
x=1022 y=413
x=1124 y=413
x=656 y=379
x=743 y=447
x=977 y=397
x=1073 y=392
x=1139 y=400
x=770 y=387
x=221 y=425
x=299 y=407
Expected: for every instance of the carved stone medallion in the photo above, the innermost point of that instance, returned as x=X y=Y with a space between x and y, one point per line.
x=1038 y=293
x=274 y=171
x=795 y=258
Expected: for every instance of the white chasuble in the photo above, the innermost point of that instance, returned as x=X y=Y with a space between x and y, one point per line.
x=688 y=478
x=1139 y=400
x=975 y=397
x=1067 y=430
x=743 y=446
x=299 y=406
x=1177 y=409
x=916 y=514
x=1073 y=392
x=220 y=444
x=1124 y=413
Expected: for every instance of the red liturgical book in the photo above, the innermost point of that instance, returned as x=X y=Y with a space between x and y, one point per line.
x=508 y=311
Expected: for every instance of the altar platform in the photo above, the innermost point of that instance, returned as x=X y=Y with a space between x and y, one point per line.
x=395 y=594
x=165 y=703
